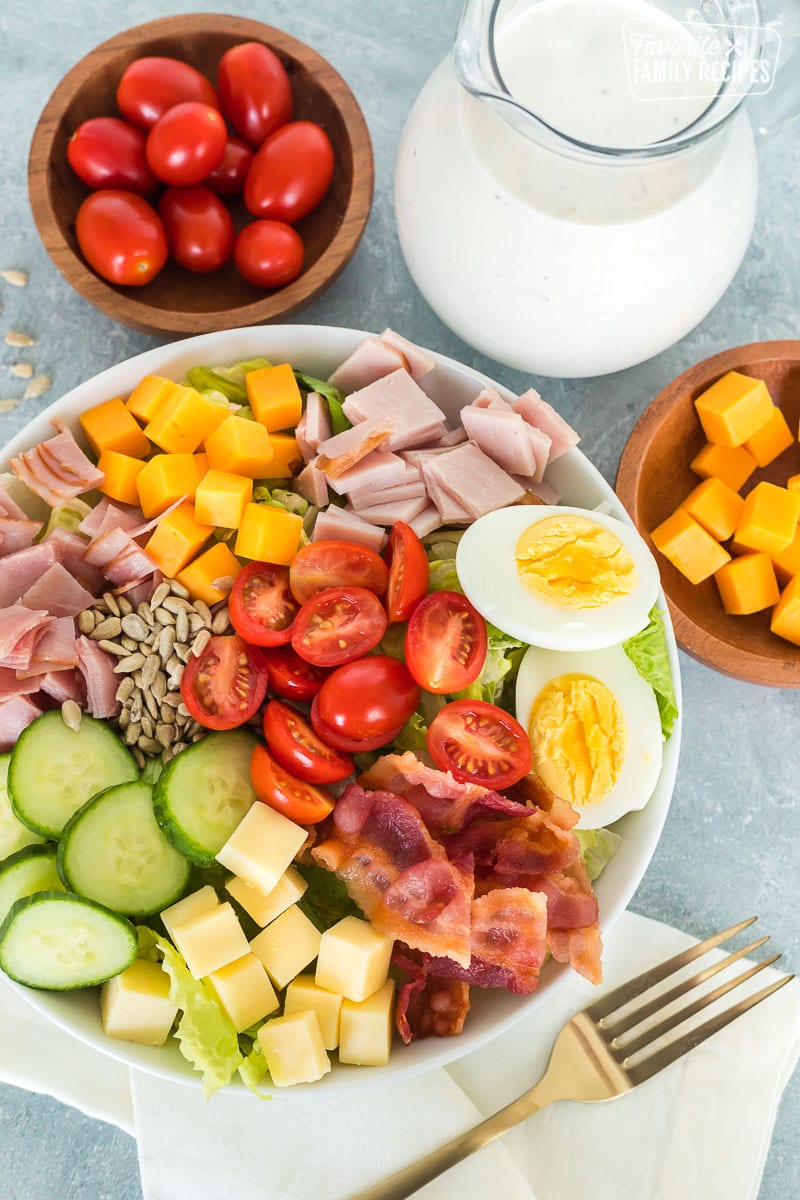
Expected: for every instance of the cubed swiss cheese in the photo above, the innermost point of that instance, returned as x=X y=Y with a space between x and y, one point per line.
x=264 y=907
x=303 y=995
x=244 y=991
x=365 y=1037
x=293 y=1049
x=188 y=908
x=135 y=1006
x=353 y=959
x=286 y=946
x=211 y=941
x=262 y=846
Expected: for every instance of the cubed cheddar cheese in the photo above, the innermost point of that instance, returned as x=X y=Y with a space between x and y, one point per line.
x=110 y=426
x=211 y=940
x=365 y=1030
x=787 y=562
x=293 y=1049
x=768 y=442
x=176 y=539
x=747 y=584
x=244 y=991
x=262 y=846
x=353 y=959
x=135 y=1006
x=274 y=397
x=734 y=408
x=264 y=907
x=120 y=473
x=785 y=621
x=221 y=498
x=688 y=547
x=184 y=420
x=240 y=447
x=165 y=479
x=148 y=396
x=287 y=945
x=185 y=910
x=793 y=483
x=201 y=462
x=769 y=518
x=716 y=507
x=287 y=457
x=211 y=575
x=732 y=464
x=269 y=534
x=304 y=995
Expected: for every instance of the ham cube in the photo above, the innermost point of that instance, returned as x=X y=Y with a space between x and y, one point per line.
x=449 y=507
x=339 y=453
x=397 y=396
x=312 y=485
x=503 y=435
x=543 y=416
x=16 y=714
x=426 y=521
x=367 y=497
x=372 y=359
x=337 y=524
x=394 y=511
x=378 y=470
x=17 y=534
x=58 y=593
x=489 y=397
x=318 y=421
x=475 y=480
x=418 y=362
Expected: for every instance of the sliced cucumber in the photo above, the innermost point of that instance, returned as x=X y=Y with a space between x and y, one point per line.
x=113 y=851
x=14 y=835
x=58 y=941
x=30 y=870
x=55 y=770
x=204 y=792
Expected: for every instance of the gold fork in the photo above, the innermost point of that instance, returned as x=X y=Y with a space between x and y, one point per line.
x=591 y=1059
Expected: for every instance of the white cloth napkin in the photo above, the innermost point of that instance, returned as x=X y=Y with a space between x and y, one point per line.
x=699 y=1131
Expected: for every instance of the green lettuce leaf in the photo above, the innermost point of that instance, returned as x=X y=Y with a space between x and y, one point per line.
x=325 y=900
x=67 y=516
x=253 y=1067
x=227 y=382
x=443 y=576
x=597 y=847
x=332 y=396
x=147 y=940
x=503 y=657
x=412 y=736
x=647 y=651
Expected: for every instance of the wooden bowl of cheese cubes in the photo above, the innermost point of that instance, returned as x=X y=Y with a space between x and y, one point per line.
x=711 y=476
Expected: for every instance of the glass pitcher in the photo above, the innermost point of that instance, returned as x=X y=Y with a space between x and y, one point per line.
x=576 y=184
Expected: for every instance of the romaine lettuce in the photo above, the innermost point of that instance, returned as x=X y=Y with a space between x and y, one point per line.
x=597 y=847
x=253 y=1068
x=325 y=900
x=648 y=653
x=333 y=397
x=67 y=516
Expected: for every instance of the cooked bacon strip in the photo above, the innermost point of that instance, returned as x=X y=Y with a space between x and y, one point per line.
x=517 y=848
x=571 y=903
x=101 y=683
x=427 y=1005
x=16 y=714
x=58 y=593
x=581 y=948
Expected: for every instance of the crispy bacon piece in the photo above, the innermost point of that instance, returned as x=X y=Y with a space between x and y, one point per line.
x=517 y=847
x=428 y=1005
x=581 y=948
x=571 y=903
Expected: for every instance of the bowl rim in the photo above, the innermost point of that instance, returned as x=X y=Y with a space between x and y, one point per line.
x=643 y=828
x=705 y=647
x=136 y=313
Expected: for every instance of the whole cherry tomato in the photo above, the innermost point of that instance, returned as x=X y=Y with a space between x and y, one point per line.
x=368 y=698
x=228 y=178
x=198 y=226
x=268 y=254
x=254 y=91
x=108 y=153
x=291 y=173
x=121 y=237
x=151 y=86
x=187 y=143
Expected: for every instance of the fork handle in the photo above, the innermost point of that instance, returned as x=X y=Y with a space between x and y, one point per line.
x=413 y=1177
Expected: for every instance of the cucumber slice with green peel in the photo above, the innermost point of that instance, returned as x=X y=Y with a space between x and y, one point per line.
x=30 y=870
x=59 y=942
x=203 y=793
x=113 y=851
x=55 y=770
x=14 y=835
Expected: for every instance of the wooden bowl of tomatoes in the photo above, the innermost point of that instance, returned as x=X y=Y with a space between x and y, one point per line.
x=177 y=274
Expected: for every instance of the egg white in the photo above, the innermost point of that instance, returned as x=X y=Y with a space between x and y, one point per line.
x=487 y=571
x=644 y=742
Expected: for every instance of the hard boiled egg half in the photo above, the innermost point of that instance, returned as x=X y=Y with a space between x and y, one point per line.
x=594 y=728
x=562 y=578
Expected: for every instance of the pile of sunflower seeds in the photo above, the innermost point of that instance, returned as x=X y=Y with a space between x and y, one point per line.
x=152 y=643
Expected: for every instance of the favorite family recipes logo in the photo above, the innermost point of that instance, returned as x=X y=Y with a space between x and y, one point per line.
x=699 y=61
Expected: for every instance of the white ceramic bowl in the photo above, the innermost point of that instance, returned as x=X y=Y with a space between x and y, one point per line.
x=317 y=350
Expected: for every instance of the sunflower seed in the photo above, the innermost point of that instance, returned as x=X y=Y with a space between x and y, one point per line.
x=37 y=387
x=149 y=745
x=159 y=596
x=110 y=601
x=220 y=622
x=183 y=710
x=147 y=725
x=175 y=676
x=178 y=589
x=196 y=623
x=151 y=704
x=134 y=627
x=150 y=669
x=15 y=338
x=165 y=733
x=133 y=733
x=124 y=605
x=182 y=626
x=203 y=611
x=167 y=715
x=183 y=651
x=200 y=642
x=137 y=679
x=166 y=640
x=110 y=628
x=164 y=617
x=136 y=709
x=124 y=719
x=7 y=405
x=22 y=370
x=176 y=604
x=140 y=758
x=15 y=278
x=178 y=747
x=71 y=715
x=125 y=690
x=126 y=666
x=173 y=662
x=129 y=643
x=113 y=648
x=144 y=611
x=86 y=621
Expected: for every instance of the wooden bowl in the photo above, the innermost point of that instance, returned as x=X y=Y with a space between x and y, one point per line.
x=654 y=478
x=177 y=301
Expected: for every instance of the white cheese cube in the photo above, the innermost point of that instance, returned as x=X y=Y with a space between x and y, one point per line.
x=262 y=846
x=353 y=959
x=188 y=908
x=287 y=945
x=365 y=1035
x=294 y=1049
x=264 y=907
x=303 y=995
x=211 y=940
x=135 y=1006
x=244 y=991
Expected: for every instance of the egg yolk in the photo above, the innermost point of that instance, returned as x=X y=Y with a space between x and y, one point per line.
x=574 y=562
x=577 y=734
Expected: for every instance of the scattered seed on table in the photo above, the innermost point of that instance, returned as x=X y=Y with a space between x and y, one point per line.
x=36 y=387
x=22 y=370
x=15 y=338
x=15 y=278
x=7 y=405
x=71 y=715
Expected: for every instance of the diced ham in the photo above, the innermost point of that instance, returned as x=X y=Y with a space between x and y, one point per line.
x=544 y=492
x=21 y=569
x=391 y=512
x=105 y=516
x=379 y=470
x=141 y=592
x=451 y=510
x=339 y=453
x=57 y=469
x=19 y=630
x=105 y=545
x=306 y=449
x=9 y=506
x=58 y=593
x=63 y=685
x=543 y=416
x=16 y=714
x=426 y=521
x=453 y=437
x=101 y=683
x=55 y=650
x=312 y=485
x=503 y=435
x=367 y=497
x=372 y=359
x=419 y=362
x=475 y=481
x=419 y=456
x=336 y=524
x=17 y=534
x=131 y=565
x=71 y=550
x=318 y=421
x=489 y=397
x=397 y=396
x=12 y=685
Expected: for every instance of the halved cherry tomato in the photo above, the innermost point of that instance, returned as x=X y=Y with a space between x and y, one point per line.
x=254 y=91
x=408 y=572
x=337 y=625
x=479 y=743
x=260 y=605
x=151 y=86
x=121 y=237
x=290 y=676
x=322 y=565
x=299 y=801
x=269 y=254
x=345 y=744
x=445 y=643
x=298 y=748
x=290 y=173
x=108 y=153
x=226 y=685
x=198 y=226
x=367 y=698
x=187 y=143
x=228 y=178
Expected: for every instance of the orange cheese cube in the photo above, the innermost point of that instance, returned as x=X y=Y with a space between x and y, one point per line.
x=121 y=472
x=747 y=584
x=221 y=498
x=287 y=456
x=793 y=483
x=785 y=620
x=732 y=464
x=163 y=480
x=201 y=462
x=110 y=426
x=787 y=563
x=240 y=447
x=210 y=577
x=688 y=547
x=177 y=538
x=148 y=396
x=274 y=397
x=771 y=439
x=734 y=408
x=269 y=534
x=769 y=518
x=716 y=507
x=185 y=420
